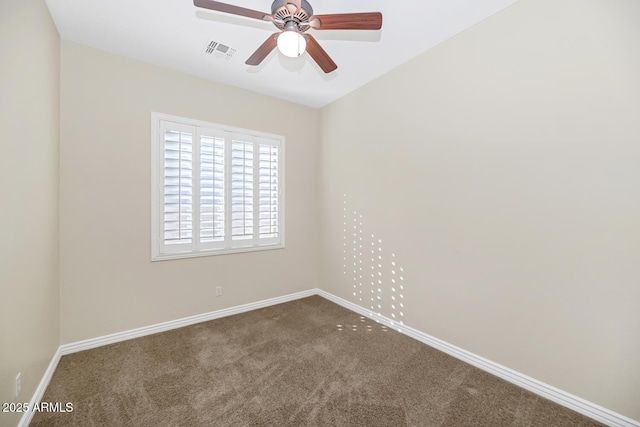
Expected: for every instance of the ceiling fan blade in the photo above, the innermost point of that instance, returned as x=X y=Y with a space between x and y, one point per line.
x=264 y=50
x=234 y=10
x=347 y=21
x=319 y=55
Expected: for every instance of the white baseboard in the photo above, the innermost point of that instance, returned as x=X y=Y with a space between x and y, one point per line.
x=563 y=398
x=179 y=323
x=547 y=391
x=42 y=387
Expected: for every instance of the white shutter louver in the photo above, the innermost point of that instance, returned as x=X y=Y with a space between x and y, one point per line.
x=269 y=190
x=241 y=190
x=216 y=190
x=178 y=187
x=212 y=189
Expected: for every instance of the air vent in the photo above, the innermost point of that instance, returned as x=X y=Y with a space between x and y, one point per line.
x=218 y=50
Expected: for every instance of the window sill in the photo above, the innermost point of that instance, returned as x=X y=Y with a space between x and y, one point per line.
x=214 y=252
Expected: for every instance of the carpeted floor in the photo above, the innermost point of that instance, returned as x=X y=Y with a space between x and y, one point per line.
x=308 y=362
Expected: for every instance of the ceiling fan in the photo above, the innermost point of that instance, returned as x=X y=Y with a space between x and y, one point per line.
x=294 y=18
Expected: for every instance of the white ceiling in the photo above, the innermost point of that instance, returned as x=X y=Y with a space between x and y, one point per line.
x=174 y=34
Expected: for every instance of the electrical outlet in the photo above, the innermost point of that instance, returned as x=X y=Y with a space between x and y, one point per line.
x=218 y=291
x=18 y=384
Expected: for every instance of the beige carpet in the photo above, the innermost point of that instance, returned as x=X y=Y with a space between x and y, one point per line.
x=308 y=362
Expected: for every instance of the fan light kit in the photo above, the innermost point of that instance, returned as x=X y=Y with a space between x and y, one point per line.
x=291 y=43
x=293 y=18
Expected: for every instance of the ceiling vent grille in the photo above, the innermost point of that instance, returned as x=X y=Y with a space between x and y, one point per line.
x=218 y=50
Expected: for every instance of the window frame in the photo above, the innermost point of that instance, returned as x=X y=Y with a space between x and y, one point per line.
x=158 y=185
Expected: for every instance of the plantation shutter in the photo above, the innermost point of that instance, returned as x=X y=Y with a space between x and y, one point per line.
x=268 y=191
x=212 y=204
x=242 y=198
x=215 y=190
x=177 y=187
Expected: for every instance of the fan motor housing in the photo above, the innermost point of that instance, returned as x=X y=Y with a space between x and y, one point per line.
x=283 y=14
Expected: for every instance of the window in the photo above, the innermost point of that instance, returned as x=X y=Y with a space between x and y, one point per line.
x=215 y=189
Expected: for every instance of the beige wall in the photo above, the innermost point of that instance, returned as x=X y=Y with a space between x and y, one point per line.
x=501 y=169
x=108 y=283
x=29 y=110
